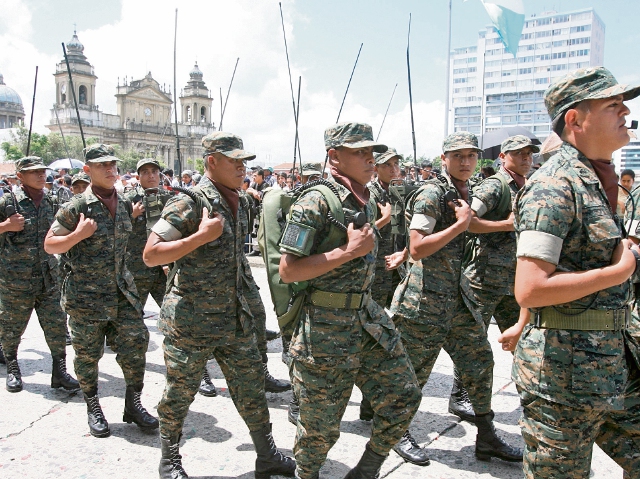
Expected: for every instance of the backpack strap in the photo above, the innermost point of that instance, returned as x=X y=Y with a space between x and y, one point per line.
x=504 y=206
x=335 y=206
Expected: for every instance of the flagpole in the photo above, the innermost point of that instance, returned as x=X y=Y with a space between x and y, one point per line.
x=446 y=107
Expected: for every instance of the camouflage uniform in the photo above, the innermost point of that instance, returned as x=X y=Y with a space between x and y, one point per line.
x=429 y=310
x=487 y=281
x=577 y=387
x=385 y=282
x=200 y=317
x=334 y=348
x=99 y=292
x=148 y=280
x=29 y=278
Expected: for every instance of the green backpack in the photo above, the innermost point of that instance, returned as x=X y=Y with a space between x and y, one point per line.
x=288 y=299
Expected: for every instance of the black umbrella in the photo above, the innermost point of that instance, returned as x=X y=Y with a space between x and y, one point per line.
x=490 y=142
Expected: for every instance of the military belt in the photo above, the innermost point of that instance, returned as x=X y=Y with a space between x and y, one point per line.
x=581 y=320
x=326 y=299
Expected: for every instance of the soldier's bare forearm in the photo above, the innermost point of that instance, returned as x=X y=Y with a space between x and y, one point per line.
x=538 y=284
x=61 y=244
x=479 y=225
x=422 y=245
x=159 y=252
x=295 y=268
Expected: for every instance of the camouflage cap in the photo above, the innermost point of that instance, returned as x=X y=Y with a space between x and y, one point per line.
x=228 y=144
x=460 y=140
x=147 y=161
x=351 y=135
x=309 y=169
x=518 y=142
x=82 y=176
x=386 y=156
x=30 y=163
x=99 y=153
x=585 y=84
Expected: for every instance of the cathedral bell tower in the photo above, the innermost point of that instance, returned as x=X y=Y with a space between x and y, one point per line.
x=84 y=80
x=195 y=100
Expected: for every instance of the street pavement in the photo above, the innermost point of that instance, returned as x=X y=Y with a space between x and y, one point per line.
x=44 y=432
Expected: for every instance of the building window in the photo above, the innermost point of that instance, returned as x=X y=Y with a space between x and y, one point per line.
x=579 y=53
x=555 y=56
x=188 y=113
x=579 y=41
x=581 y=28
x=203 y=114
x=542 y=81
x=561 y=19
x=82 y=96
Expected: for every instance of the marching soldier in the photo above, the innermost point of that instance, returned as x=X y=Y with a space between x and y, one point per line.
x=79 y=182
x=205 y=312
x=343 y=337
x=488 y=278
x=577 y=364
x=99 y=292
x=428 y=306
x=29 y=278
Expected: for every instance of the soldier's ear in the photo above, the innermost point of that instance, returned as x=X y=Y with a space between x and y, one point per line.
x=86 y=169
x=573 y=120
x=333 y=156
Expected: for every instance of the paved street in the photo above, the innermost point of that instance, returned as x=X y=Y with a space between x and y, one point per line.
x=44 y=433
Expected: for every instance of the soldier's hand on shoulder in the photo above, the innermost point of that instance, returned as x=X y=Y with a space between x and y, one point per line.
x=210 y=228
x=137 y=209
x=462 y=210
x=360 y=241
x=86 y=227
x=15 y=223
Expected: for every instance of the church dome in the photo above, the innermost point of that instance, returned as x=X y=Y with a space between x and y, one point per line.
x=74 y=45
x=196 y=73
x=7 y=94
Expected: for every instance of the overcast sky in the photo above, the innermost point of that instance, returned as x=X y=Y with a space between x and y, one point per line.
x=131 y=37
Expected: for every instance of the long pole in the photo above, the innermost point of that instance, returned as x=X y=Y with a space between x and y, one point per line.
x=73 y=91
x=296 y=143
x=220 y=125
x=385 y=113
x=228 y=91
x=349 y=84
x=446 y=100
x=33 y=106
x=177 y=163
x=413 y=128
x=296 y=111
x=64 y=141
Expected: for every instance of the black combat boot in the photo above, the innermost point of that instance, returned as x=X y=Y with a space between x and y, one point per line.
x=270 y=461
x=171 y=460
x=459 y=403
x=2 y=359
x=206 y=386
x=98 y=425
x=489 y=445
x=368 y=467
x=409 y=450
x=366 y=411
x=14 y=376
x=135 y=412
x=294 y=410
x=60 y=378
x=271 y=384
x=271 y=335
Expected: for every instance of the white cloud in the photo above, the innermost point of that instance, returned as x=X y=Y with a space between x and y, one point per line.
x=215 y=33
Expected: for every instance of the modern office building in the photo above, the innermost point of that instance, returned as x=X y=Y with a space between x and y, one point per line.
x=490 y=89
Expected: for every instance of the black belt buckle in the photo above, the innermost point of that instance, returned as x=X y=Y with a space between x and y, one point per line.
x=537 y=318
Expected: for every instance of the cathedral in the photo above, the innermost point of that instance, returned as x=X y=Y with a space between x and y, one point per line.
x=11 y=110
x=144 y=119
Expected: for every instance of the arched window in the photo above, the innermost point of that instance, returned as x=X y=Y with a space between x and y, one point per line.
x=82 y=95
x=203 y=114
x=188 y=114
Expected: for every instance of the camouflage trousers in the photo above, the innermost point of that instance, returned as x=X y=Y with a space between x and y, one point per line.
x=384 y=284
x=559 y=438
x=485 y=304
x=443 y=321
x=388 y=382
x=151 y=286
x=251 y=294
x=240 y=363
x=16 y=308
x=127 y=336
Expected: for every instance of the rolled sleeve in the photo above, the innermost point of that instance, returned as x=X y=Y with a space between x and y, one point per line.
x=422 y=222
x=166 y=230
x=58 y=229
x=539 y=245
x=478 y=207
